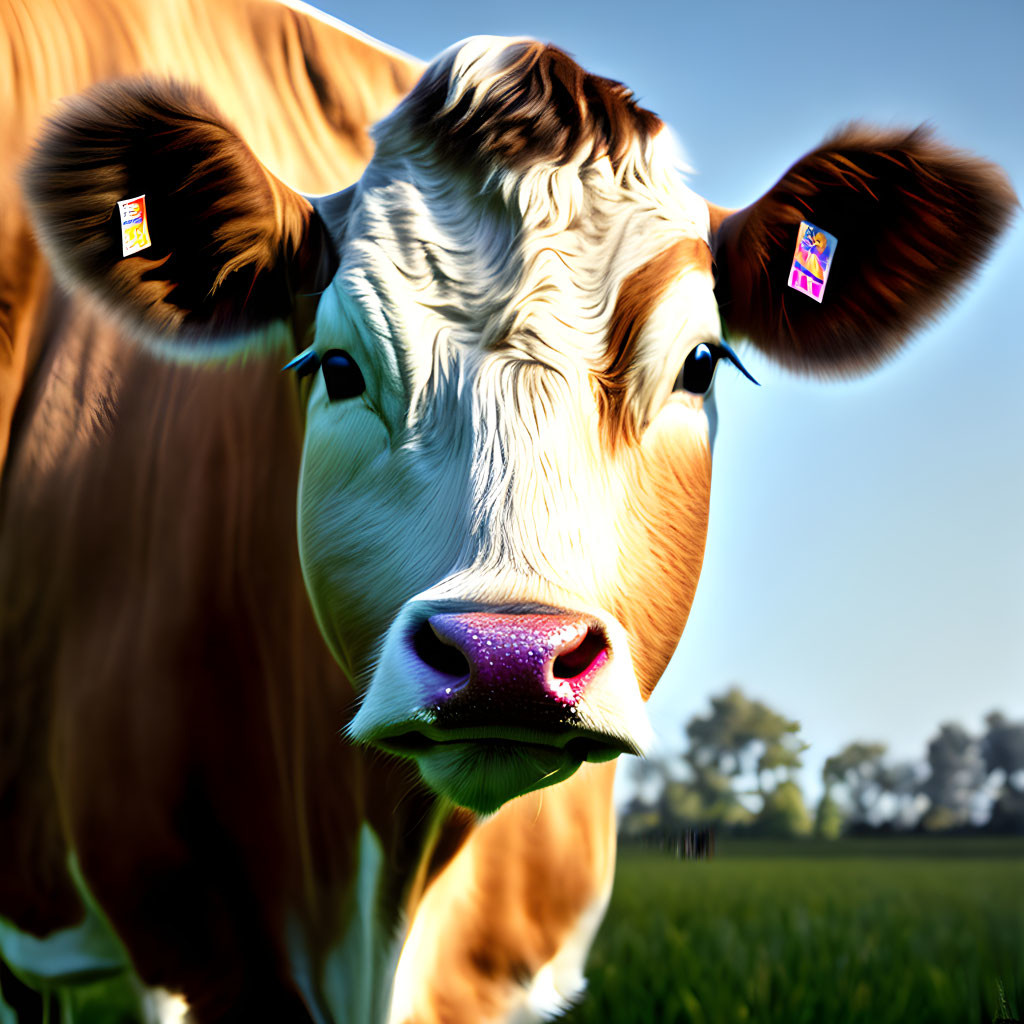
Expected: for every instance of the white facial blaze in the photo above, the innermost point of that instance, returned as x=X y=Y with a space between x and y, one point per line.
x=537 y=502
x=476 y=467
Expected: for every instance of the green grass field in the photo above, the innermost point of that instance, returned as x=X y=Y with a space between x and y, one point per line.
x=907 y=931
x=854 y=932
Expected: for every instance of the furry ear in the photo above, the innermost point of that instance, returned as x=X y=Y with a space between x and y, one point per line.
x=913 y=221
x=232 y=246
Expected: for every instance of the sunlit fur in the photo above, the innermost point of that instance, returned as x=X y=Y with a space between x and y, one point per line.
x=544 y=867
x=479 y=303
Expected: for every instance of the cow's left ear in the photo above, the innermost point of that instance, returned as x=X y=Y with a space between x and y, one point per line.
x=912 y=220
x=231 y=248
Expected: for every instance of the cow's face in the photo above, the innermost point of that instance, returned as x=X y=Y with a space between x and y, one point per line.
x=506 y=470
x=502 y=533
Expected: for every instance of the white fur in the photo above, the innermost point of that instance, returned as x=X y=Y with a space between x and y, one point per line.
x=163 y=1007
x=474 y=468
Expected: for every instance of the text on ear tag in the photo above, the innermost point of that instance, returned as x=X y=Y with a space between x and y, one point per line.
x=812 y=260
x=134 y=226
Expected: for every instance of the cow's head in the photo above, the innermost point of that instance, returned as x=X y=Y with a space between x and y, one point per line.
x=507 y=331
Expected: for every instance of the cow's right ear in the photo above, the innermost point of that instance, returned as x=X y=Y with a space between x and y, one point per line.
x=233 y=249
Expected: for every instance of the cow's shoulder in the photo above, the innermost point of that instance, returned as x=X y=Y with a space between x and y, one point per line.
x=261 y=60
x=105 y=436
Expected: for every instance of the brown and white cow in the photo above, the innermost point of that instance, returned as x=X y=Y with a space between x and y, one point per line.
x=501 y=341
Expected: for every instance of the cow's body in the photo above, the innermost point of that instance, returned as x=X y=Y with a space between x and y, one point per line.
x=521 y=465
x=180 y=731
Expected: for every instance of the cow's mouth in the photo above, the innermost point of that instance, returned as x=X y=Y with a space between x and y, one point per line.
x=481 y=768
x=584 y=746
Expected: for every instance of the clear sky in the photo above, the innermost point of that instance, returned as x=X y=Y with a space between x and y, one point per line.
x=865 y=561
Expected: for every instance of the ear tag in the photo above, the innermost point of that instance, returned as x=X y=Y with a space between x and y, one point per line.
x=812 y=260
x=134 y=226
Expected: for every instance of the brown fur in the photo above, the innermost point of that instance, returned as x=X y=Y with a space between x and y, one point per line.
x=662 y=530
x=537 y=865
x=914 y=220
x=638 y=297
x=544 y=108
x=163 y=686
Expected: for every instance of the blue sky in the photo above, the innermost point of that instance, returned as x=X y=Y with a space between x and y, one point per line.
x=865 y=561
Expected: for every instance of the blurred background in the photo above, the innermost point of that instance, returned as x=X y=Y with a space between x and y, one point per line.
x=865 y=562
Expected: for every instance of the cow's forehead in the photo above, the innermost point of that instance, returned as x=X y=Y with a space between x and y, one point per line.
x=467 y=247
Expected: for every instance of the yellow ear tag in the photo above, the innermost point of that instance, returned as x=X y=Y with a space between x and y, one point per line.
x=134 y=226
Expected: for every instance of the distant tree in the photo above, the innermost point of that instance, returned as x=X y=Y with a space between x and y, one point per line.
x=647 y=775
x=638 y=817
x=829 y=817
x=740 y=737
x=713 y=787
x=686 y=805
x=957 y=777
x=784 y=813
x=1002 y=748
x=903 y=781
x=859 y=772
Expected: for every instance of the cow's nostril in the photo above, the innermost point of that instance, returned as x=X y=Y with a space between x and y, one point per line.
x=441 y=657
x=570 y=664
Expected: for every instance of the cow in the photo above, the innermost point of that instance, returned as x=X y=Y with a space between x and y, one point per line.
x=311 y=683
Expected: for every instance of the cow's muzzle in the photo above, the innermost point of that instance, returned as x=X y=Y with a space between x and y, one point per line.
x=502 y=702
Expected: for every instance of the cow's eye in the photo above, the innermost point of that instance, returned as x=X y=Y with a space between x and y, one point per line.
x=699 y=368
x=341 y=375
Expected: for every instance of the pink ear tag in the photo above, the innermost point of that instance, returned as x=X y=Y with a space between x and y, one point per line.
x=812 y=260
x=134 y=226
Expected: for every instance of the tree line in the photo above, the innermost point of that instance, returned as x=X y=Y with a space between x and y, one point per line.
x=738 y=773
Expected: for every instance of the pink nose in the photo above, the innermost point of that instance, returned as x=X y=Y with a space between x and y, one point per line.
x=497 y=663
